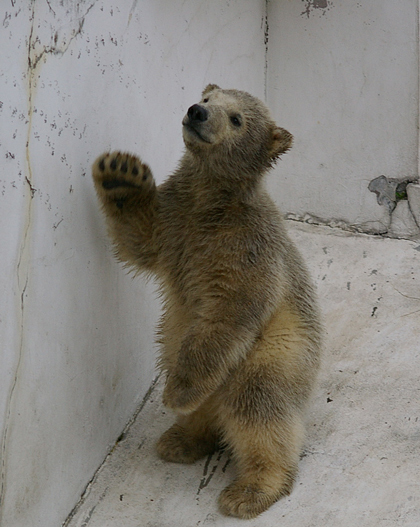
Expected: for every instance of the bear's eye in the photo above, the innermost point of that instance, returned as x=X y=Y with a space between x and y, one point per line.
x=235 y=120
x=206 y=99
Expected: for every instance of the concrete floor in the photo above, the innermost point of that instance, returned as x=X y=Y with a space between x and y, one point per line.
x=361 y=464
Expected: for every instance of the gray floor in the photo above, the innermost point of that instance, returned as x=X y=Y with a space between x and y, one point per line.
x=361 y=464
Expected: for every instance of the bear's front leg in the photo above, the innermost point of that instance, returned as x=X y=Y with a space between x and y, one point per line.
x=127 y=191
x=205 y=358
x=184 y=394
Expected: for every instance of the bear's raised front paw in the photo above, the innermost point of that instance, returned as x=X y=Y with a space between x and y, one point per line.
x=246 y=501
x=116 y=174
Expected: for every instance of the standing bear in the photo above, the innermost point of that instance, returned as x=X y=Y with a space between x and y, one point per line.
x=240 y=335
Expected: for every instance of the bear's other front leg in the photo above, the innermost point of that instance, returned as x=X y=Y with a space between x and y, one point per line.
x=127 y=191
x=207 y=354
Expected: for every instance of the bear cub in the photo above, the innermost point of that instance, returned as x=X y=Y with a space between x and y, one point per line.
x=240 y=335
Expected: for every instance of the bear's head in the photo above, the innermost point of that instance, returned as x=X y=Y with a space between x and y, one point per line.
x=232 y=130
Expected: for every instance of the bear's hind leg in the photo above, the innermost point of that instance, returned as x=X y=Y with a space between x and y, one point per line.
x=189 y=439
x=267 y=456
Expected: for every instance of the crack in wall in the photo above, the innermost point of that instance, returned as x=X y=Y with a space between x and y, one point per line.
x=133 y=8
x=392 y=193
x=266 y=29
x=23 y=261
x=333 y=223
x=50 y=8
x=22 y=271
x=312 y=219
x=54 y=49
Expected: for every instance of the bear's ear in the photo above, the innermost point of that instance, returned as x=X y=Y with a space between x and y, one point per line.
x=209 y=88
x=281 y=141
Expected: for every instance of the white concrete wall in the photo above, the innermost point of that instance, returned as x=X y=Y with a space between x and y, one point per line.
x=343 y=78
x=76 y=78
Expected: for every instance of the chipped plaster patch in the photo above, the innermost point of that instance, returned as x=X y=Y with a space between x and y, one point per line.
x=394 y=195
x=402 y=221
x=390 y=190
x=413 y=194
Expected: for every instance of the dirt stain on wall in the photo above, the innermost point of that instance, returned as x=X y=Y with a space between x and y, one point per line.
x=312 y=5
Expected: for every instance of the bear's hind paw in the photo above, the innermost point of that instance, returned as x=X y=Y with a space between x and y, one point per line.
x=177 y=446
x=246 y=501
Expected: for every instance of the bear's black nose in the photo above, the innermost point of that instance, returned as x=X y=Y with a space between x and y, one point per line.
x=197 y=113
